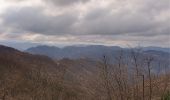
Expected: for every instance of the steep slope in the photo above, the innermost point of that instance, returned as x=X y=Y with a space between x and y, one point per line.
x=20 y=73
x=25 y=76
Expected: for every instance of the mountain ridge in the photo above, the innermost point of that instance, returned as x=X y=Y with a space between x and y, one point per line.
x=90 y=51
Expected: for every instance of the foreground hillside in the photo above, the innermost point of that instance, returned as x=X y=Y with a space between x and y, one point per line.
x=25 y=76
x=32 y=77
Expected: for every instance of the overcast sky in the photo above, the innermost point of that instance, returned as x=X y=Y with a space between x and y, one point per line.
x=67 y=22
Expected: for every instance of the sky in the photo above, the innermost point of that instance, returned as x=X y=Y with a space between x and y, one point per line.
x=25 y=23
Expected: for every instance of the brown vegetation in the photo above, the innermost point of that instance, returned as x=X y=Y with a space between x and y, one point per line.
x=33 y=77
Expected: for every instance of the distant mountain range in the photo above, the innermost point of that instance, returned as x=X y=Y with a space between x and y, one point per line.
x=92 y=51
x=26 y=75
x=157 y=49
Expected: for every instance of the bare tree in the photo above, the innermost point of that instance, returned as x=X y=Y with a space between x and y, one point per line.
x=105 y=73
x=135 y=56
x=121 y=76
x=149 y=60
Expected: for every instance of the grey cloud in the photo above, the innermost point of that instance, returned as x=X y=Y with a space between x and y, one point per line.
x=2 y=27
x=56 y=2
x=33 y=20
x=12 y=1
x=152 y=6
x=65 y=2
x=97 y=13
x=120 y=23
x=141 y=20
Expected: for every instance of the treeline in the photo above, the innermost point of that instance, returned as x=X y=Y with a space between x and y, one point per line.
x=133 y=77
x=143 y=77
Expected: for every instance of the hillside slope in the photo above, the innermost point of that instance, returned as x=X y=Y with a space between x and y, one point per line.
x=25 y=76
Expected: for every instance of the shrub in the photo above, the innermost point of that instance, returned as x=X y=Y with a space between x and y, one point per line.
x=166 y=96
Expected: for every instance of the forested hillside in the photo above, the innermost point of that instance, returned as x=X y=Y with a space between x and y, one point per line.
x=25 y=76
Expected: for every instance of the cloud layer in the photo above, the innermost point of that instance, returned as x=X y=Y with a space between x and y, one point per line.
x=89 y=21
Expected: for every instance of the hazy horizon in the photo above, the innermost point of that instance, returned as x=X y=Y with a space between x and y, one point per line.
x=24 y=45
